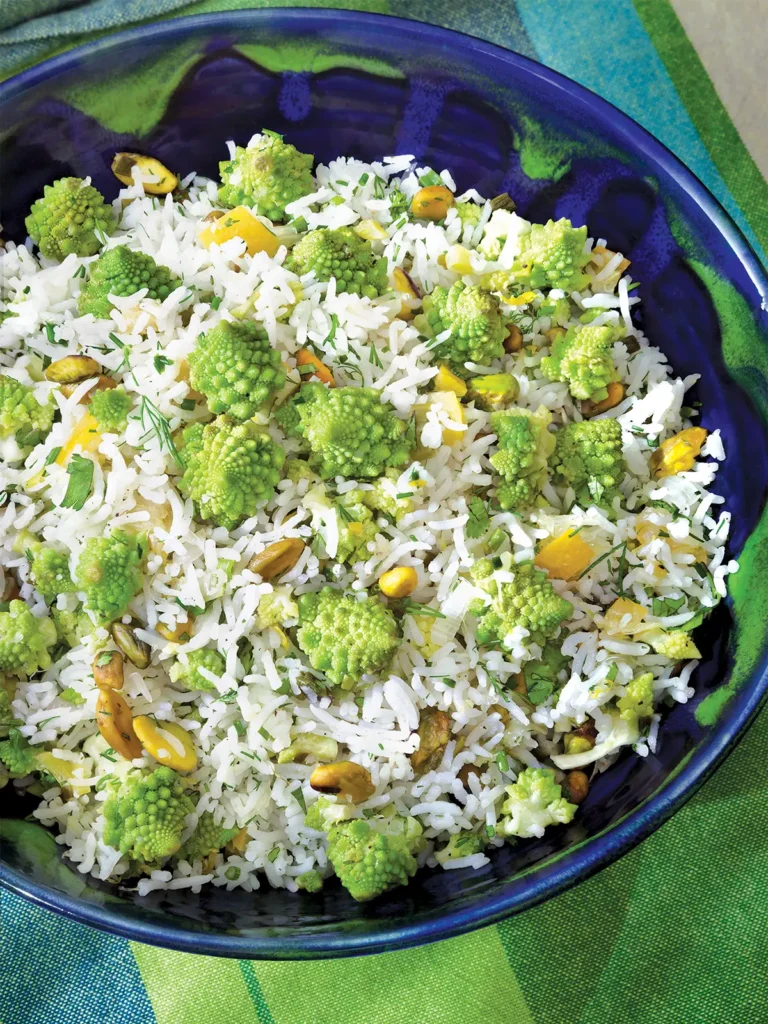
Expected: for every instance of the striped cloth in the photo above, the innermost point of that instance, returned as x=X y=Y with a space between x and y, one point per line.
x=673 y=933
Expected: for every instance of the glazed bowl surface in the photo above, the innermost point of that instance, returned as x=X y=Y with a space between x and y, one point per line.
x=344 y=83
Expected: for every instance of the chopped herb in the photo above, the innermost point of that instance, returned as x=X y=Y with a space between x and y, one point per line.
x=414 y=608
x=50 y=333
x=430 y=177
x=539 y=689
x=264 y=734
x=105 y=658
x=160 y=363
x=363 y=178
x=228 y=698
x=298 y=796
x=479 y=520
x=52 y=455
x=328 y=339
x=404 y=494
x=153 y=422
x=273 y=855
x=345 y=514
x=490 y=831
x=108 y=755
x=188 y=404
x=25 y=291
x=613 y=671
x=215 y=302
x=378 y=187
x=80 y=473
x=126 y=360
x=622 y=571
x=190 y=607
x=80 y=272
x=46 y=721
x=502 y=762
x=373 y=356
x=240 y=727
x=450 y=683
x=601 y=558
x=340 y=181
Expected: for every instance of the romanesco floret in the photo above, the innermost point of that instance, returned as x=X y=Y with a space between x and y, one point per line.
x=529 y=601
x=525 y=445
x=346 y=638
x=349 y=431
x=72 y=626
x=473 y=317
x=372 y=855
x=324 y=813
x=21 y=415
x=7 y=717
x=72 y=696
x=340 y=253
x=123 y=271
x=236 y=368
x=108 y=571
x=209 y=837
x=277 y=607
x=552 y=256
x=588 y=457
x=583 y=358
x=110 y=409
x=534 y=801
x=25 y=641
x=357 y=528
x=383 y=497
x=267 y=175
x=677 y=645
x=187 y=673
x=469 y=214
x=310 y=881
x=230 y=470
x=462 y=844
x=144 y=815
x=637 y=702
x=67 y=218
x=49 y=572
x=17 y=755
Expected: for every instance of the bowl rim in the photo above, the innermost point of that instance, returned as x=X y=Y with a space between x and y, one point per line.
x=598 y=851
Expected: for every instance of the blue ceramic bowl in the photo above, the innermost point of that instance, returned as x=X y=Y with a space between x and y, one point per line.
x=343 y=83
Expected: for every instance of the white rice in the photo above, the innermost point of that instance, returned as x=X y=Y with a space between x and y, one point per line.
x=439 y=664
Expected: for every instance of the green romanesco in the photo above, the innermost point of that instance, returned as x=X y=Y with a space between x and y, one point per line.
x=68 y=218
x=187 y=673
x=346 y=638
x=310 y=881
x=17 y=755
x=144 y=815
x=534 y=801
x=123 y=271
x=372 y=855
x=462 y=844
x=266 y=176
x=230 y=470
x=383 y=496
x=529 y=600
x=588 y=457
x=7 y=717
x=25 y=641
x=72 y=696
x=552 y=256
x=72 y=626
x=472 y=316
x=349 y=431
x=324 y=813
x=469 y=214
x=277 y=607
x=21 y=415
x=525 y=445
x=209 y=837
x=108 y=571
x=49 y=572
x=677 y=645
x=583 y=358
x=110 y=409
x=357 y=528
x=236 y=368
x=637 y=702
x=343 y=255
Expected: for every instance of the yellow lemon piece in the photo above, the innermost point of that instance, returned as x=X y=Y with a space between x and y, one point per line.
x=370 y=230
x=446 y=380
x=677 y=454
x=241 y=223
x=457 y=259
x=565 y=557
x=616 y=620
x=168 y=742
x=86 y=434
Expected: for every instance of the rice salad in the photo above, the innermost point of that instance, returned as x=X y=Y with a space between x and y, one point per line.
x=348 y=524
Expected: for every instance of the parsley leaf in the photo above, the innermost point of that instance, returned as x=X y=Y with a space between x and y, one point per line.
x=478 y=518
x=80 y=472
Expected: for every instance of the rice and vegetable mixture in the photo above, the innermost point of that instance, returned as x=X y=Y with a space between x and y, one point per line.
x=347 y=524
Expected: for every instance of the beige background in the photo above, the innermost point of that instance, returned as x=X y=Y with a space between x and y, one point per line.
x=731 y=37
